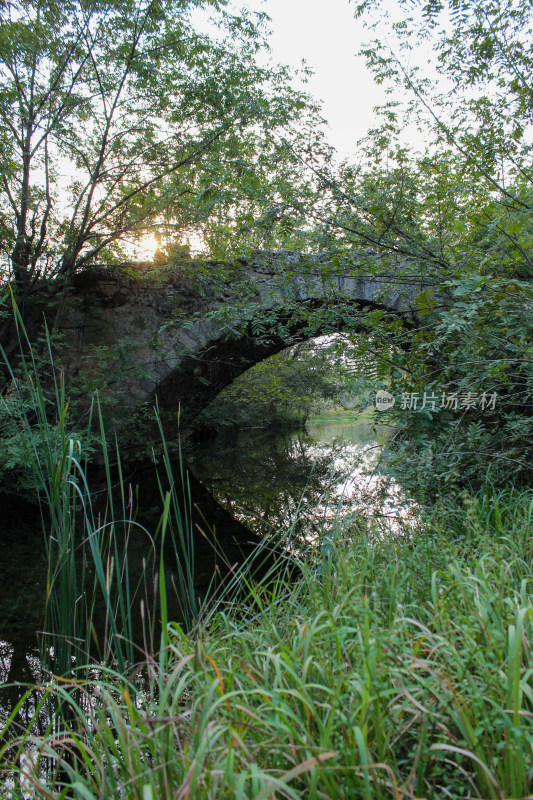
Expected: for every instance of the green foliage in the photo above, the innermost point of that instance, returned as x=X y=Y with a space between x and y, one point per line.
x=402 y=671
x=476 y=348
x=119 y=118
x=465 y=202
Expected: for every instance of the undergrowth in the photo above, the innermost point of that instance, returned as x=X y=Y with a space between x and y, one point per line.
x=403 y=671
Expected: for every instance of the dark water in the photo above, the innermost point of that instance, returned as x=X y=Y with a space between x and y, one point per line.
x=23 y=572
x=302 y=483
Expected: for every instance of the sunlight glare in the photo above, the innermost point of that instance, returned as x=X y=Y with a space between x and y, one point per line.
x=148 y=246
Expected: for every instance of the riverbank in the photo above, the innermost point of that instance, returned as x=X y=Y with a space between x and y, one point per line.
x=394 y=668
x=368 y=415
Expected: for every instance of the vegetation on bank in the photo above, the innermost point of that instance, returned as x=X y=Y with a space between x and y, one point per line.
x=394 y=668
x=367 y=416
x=283 y=390
x=391 y=668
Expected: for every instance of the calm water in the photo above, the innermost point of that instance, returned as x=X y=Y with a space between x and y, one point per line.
x=285 y=480
x=304 y=482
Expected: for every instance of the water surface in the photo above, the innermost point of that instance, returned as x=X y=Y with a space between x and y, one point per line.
x=304 y=481
x=307 y=483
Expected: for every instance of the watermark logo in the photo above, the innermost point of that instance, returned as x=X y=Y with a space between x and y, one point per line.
x=454 y=401
x=384 y=400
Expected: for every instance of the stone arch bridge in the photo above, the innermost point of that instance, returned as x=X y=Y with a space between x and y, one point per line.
x=181 y=334
x=184 y=333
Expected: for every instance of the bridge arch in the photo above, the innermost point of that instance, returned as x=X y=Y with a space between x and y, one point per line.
x=173 y=341
x=199 y=378
x=169 y=340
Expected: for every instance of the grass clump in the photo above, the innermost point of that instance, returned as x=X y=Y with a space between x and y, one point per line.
x=403 y=671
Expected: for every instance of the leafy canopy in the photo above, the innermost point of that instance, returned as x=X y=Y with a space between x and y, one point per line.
x=469 y=196
x=114 y=117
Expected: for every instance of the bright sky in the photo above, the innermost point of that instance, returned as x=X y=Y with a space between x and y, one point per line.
x=328 y=37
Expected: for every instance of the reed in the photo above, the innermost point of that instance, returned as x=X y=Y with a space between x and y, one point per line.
x=403 y=672
x=89 y=604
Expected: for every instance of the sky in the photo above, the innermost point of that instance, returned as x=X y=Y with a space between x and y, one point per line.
x=328 y=37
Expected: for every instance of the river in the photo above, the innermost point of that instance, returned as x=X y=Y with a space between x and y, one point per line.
x=303 y=484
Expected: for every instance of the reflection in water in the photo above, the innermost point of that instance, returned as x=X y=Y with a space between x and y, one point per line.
x=22 y=592
x=303 y=482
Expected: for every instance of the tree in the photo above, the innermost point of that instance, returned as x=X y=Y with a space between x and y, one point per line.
x=474 y=109
x=456 y=212
x=463 y=207
x=111 y=114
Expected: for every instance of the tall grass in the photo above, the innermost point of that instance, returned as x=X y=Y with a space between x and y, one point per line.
x=176 y=520
x=404 y=672
x=53 y=458
x=90 y=593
